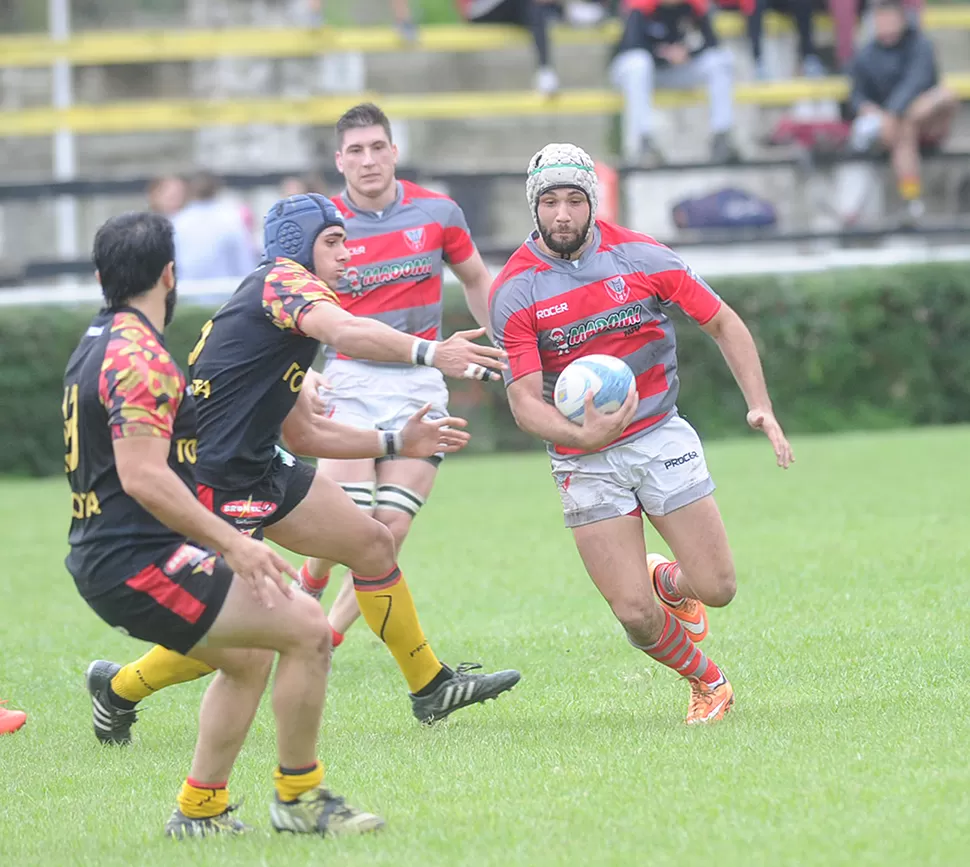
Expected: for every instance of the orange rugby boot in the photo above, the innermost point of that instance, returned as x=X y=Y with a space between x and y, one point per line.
x=708 y=704
x=11 y=720
x=691 y=612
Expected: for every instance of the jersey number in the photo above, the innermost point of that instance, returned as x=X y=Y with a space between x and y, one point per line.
x=71 y=446
x=294 y=377
x=197 y=351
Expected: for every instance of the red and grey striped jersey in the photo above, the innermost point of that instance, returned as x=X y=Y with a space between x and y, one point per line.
x=395 y=272
x=546 y=312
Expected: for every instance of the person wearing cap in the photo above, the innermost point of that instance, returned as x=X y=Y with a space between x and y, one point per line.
x=247 y=373
x=897 y=99
x=581 y=286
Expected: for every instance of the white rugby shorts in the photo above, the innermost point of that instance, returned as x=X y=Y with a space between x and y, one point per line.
x=660 y=472
x=382 y=397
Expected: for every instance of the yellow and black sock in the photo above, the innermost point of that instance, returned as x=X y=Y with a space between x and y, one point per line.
x=199 y=800
x=292 y=782
x=910 y=188
x=388 y=608
x=157 y=669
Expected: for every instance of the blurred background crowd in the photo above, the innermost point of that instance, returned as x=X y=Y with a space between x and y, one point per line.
x=725 y=124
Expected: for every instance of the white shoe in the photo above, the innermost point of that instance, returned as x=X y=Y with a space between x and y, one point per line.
x=581 y=13
x=547 y=82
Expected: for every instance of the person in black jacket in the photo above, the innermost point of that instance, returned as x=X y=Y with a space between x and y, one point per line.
x=671 y=43
x=897 y=98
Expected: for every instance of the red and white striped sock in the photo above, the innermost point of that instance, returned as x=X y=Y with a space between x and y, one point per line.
x=317 y=585
x=665 y=583
x=675 y=650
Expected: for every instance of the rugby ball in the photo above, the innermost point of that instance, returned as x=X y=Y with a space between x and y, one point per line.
x=609 y=379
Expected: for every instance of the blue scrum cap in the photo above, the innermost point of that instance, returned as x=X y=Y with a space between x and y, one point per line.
x=292 y=225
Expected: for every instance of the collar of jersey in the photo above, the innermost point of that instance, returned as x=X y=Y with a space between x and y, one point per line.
x=569 y=265
x=376 y=215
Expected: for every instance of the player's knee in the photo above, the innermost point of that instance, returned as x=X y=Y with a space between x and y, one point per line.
x=639 y=615
x=250 y=666
x=398 y=523
x=311 y=633
x=724 y=586
x=377 y=554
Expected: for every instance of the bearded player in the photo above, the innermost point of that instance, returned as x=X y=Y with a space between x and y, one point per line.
x=580 y=286
x=130 y=437
x=400 y=235
x=248 y=369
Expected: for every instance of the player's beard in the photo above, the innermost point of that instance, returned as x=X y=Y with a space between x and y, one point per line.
x=565 y=248
x=170 y=301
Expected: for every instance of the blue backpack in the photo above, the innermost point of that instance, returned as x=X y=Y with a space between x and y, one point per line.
x=726 y=209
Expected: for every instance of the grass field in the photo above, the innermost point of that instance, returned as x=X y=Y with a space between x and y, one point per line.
x=848 y=646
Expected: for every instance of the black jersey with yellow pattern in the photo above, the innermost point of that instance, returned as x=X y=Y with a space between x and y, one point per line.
x=120 y=382
x=248 y=368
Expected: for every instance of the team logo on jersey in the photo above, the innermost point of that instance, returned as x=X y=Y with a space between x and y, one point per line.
x=415 y=239
x=558 y=338
x=618 y=289
x=359 y=280
x=626 y=319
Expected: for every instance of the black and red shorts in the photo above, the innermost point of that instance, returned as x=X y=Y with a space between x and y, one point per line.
x=173 y=602
x=265 y=502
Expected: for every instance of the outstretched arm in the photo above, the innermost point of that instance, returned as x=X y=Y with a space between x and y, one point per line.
x=738 y=348
x=360 y=337
x=307 y=432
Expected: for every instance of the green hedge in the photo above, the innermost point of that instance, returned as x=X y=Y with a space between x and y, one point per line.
x=869 y=348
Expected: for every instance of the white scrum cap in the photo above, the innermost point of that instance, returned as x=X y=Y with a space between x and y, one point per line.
x=561 y=165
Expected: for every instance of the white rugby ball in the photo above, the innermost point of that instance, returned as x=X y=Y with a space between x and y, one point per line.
x=609 y=379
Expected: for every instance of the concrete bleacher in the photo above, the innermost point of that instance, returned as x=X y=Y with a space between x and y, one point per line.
x=101 y=48
x=244 y=99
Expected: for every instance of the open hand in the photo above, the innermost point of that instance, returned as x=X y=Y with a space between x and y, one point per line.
x=256 y=563
x=765 y=421
x=459 y=358
x=600 y=428
x=423 y=438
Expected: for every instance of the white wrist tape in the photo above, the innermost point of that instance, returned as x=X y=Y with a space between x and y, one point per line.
x=422 y=352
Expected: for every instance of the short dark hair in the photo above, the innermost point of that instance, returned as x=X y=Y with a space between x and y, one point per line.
x=897 y=5
x=130 y=253
x=361 y=116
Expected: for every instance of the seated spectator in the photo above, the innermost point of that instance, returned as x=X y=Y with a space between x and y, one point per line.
x=534 y=15
x=166 y=195
x=897 y=99
x=211 y=238
x=801 y=11
x=845 y=16
x=671 y=44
